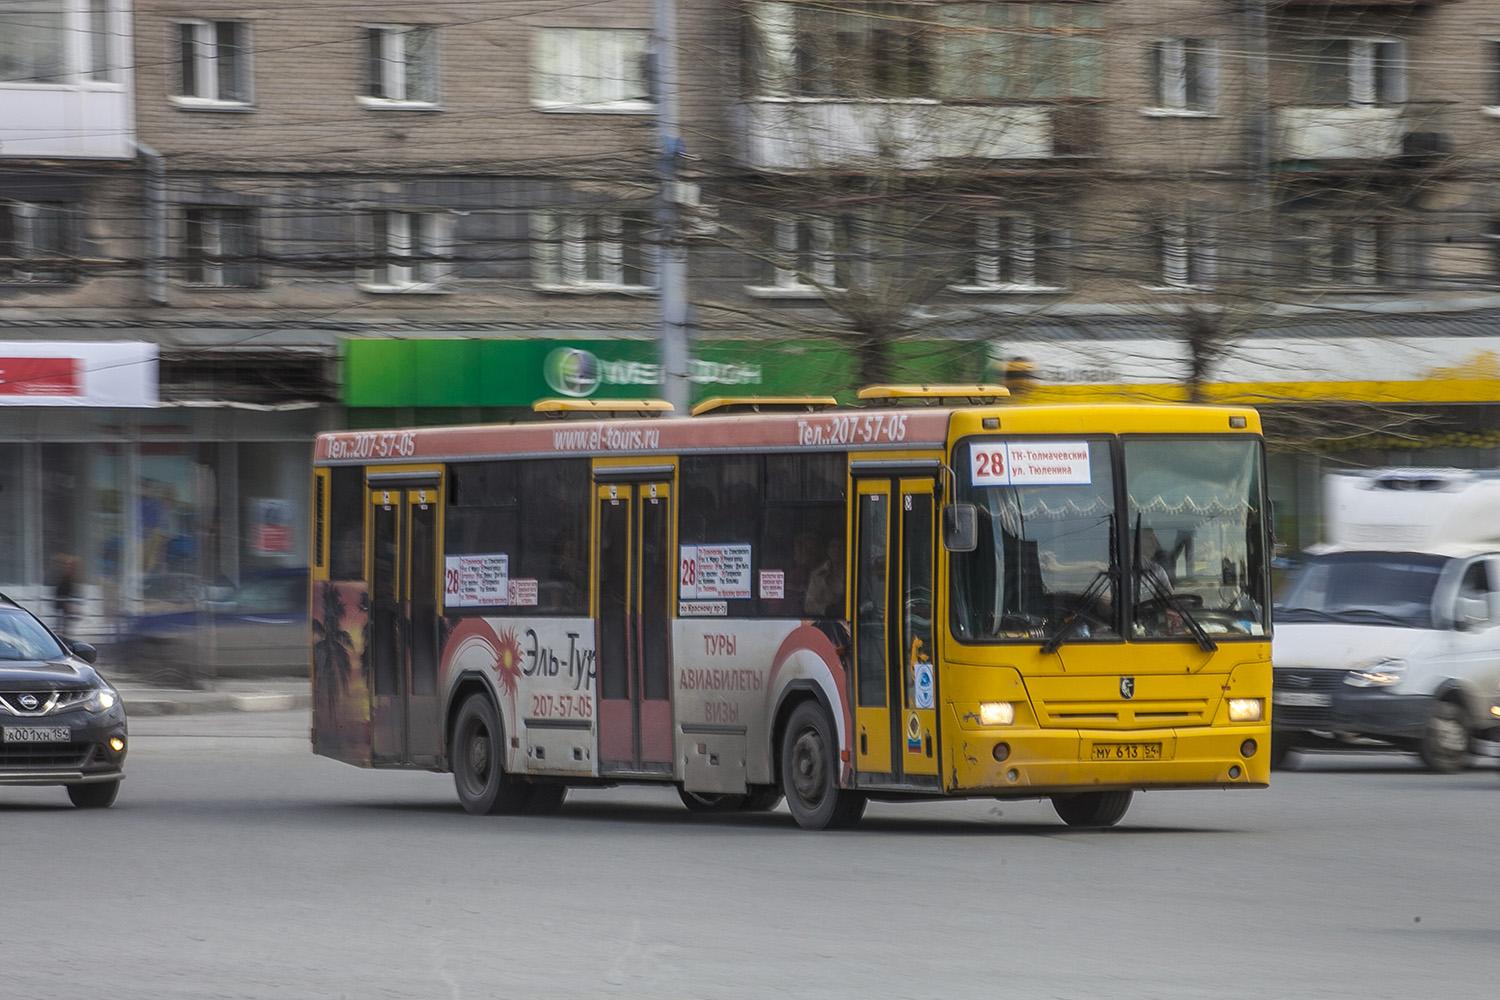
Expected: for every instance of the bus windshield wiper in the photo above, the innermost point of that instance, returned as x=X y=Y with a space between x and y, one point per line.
x=1097 y=588
x=1164 y=594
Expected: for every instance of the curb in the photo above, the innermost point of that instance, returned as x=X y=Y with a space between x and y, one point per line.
x=143 y=706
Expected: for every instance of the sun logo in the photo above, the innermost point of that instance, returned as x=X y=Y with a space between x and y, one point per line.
x=508 y=660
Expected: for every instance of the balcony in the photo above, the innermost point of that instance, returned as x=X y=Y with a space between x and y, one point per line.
x=793 y=135
x=65 y=121
x=1410 y=133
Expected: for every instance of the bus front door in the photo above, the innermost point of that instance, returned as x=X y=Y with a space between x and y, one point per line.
x=404 y=579
x=895 y=662
x=633 y=630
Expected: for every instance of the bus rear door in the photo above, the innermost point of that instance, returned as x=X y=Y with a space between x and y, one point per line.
x=405 y=522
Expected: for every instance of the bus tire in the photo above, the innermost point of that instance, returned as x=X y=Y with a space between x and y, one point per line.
x=810 y=772
x=762 y=799
x=710 y=802
x=477 y=755
x=1092 y=809
x=1445 y=739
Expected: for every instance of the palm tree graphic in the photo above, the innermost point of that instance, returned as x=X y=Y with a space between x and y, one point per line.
x=332 y=648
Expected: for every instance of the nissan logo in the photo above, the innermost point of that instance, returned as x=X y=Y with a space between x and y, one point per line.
x=29 y=702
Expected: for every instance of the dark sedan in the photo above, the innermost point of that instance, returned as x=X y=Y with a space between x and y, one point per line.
x=61 y=723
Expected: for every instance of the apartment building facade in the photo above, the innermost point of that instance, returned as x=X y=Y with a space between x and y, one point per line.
x=439 y=211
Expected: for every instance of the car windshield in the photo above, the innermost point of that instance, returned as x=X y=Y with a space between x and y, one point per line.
x=1364 y=588
x=22 y=637
x=1046 y=510
x=1195 y=523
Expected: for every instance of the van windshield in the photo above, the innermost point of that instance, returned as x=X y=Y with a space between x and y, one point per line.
x=1364 y=588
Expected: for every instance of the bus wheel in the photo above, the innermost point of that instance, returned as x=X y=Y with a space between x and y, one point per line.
x=761 y=799
x=478 y=762
x=1445 y=739
x=709 y=802
x=810 y=773
x=1092 y=808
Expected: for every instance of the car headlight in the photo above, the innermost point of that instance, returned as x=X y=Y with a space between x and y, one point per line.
x=996 y=713
x=102 y=700
x=1246 y=709
x=1384 y=674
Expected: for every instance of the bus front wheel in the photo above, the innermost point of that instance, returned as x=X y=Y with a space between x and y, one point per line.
x=1096 y=809
x=810 y=773
x=477 y=757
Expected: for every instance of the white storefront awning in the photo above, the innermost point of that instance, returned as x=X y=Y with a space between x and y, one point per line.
x=1264 y=370
x=77 y=373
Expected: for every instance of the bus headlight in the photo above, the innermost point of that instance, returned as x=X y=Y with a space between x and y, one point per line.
x=996 y=713
x=1246 y=709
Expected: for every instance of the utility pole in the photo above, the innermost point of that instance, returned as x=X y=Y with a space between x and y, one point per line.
x=672 y=260
x=1257 y=139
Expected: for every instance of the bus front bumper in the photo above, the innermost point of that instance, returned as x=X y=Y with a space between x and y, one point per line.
x=1044 y=761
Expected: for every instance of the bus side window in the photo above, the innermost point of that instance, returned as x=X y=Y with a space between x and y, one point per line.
x=346 y=523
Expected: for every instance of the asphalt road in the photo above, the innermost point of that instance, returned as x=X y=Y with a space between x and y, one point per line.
x=238 y=865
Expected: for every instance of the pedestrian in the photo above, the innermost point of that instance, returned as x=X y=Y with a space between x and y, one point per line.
x=65 y=596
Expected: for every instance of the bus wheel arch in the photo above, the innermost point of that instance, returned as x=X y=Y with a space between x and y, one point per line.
x=468 y=683
x=794 y=694
x=811 y=762
x=476 y=752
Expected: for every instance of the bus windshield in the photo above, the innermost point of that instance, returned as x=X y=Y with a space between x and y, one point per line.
x=1047 y=556
x=1046 y=513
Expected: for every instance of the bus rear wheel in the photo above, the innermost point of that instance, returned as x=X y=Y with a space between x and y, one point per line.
x=810 y=773
x=1092 y=809
x=477 y=756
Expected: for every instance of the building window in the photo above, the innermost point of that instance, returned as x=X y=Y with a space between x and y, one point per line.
x=951 y=51
x=1185 y=253
x=1184 y=75
x=809 y=254
x=33 y=42
x=213 y=63
x=591 y=250
x=401 y=65
x=36 y=243
x=407 y=251
x=219 y=247
x=1012 y=253
x=101 y=68
x=591 y=69
x=1346 y=253
x=1355 y=71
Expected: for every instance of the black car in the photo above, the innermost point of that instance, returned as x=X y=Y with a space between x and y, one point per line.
x=60 y=722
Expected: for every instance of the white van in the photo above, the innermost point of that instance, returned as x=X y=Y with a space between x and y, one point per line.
x=1389 y=635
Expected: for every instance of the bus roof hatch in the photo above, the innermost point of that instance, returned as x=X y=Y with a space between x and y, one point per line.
x=934 y=394
x=606 y=407
x=720 y=405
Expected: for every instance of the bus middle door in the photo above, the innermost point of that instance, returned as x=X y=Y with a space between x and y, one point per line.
x=633 y=588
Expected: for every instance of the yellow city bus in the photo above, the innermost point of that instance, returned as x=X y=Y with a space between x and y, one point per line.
x=936 y=593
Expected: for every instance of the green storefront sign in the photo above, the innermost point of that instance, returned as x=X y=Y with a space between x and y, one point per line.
x=516 y=373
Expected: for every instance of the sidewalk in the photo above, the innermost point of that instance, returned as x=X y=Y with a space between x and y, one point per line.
x=269 y=695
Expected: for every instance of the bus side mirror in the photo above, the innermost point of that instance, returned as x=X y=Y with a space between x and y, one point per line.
x=960 y=527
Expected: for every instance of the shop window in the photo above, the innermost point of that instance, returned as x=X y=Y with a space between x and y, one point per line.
x=536 y=515
x=346 y=523
x=789 y=511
